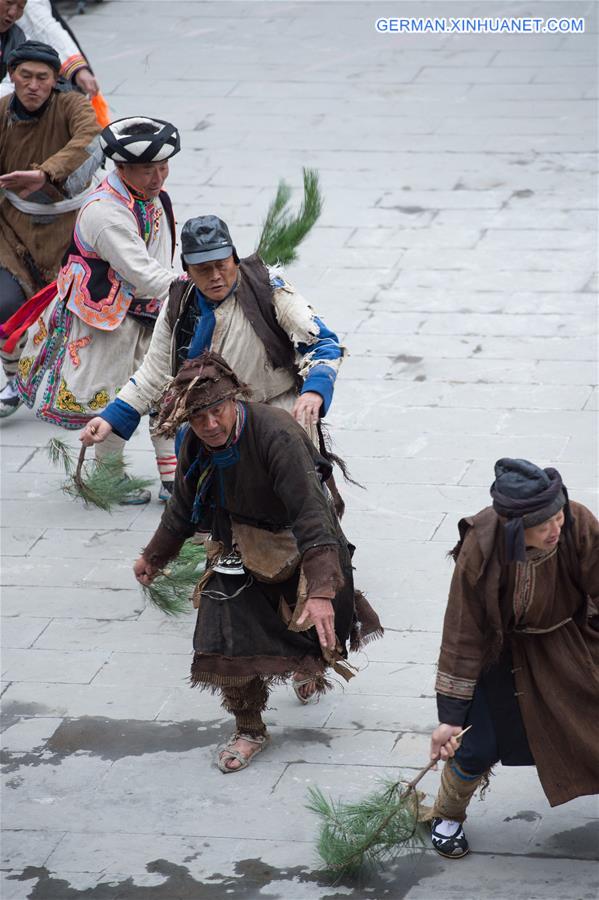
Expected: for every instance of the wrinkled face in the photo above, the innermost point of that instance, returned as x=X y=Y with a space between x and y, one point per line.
x=546 y=535
x=214 y=425
x=215 y=278
x=33 y=83
x=10 y=12
x=146 y=178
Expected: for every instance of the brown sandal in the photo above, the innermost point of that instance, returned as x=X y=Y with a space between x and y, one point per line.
x=298 y=683
x=244 y=761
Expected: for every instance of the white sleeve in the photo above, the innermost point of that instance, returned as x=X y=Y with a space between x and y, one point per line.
x=147 y=385
x=116 y=239
x=39 y=24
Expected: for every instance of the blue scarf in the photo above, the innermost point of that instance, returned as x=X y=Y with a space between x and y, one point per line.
x=206 y=322
x=208 y=461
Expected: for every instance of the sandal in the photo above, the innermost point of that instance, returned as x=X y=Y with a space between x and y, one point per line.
x=298 y=683
x=452 y=847
x=244 y=761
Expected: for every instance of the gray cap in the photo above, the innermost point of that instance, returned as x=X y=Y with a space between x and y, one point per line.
x=205 y=238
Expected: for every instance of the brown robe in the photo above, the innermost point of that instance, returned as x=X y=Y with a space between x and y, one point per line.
x=544 y=610
x=32 y=247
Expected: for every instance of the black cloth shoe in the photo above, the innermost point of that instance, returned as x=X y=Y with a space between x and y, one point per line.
x=453 y=847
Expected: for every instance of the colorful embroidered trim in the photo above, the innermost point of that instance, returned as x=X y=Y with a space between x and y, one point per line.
x=72 y=65
x=452 y=686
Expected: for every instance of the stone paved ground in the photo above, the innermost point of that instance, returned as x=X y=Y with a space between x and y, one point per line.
x=455 y=255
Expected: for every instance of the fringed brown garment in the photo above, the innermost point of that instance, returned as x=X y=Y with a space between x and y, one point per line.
x=246 y=626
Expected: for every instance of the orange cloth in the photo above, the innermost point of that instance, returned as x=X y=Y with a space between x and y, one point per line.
x=101 y=110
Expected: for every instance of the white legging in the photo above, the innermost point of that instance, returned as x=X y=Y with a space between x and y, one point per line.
x=164 y=448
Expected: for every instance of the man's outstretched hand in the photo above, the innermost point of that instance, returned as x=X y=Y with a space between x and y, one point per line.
x=320 y=611
x=306 y=409
x=144 y=571
x=23 y=183
x=96 y=431
x=87 y=82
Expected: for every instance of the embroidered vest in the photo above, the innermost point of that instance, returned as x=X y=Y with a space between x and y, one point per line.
x=91 y=288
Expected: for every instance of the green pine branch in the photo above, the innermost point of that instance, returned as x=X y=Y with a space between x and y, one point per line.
x=103 y=483
x=171 y=590
x=283 y=232
x=379 y=826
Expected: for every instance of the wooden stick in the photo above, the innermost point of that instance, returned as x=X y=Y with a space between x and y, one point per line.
x=77 y=476
x=412 y=784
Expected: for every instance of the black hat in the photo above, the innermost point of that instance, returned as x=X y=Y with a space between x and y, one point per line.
x=205 y=238
x=34 y=51
x=139 y=139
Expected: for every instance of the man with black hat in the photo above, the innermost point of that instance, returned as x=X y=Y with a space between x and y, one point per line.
x=116 y=275
x=519 y=656
x=278 y=562
x=247 y=312
x=48 y=153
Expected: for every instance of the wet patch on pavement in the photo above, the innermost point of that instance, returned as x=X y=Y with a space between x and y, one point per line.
x=113 y=739
x=525 y=815
x=252 y=878
x=575 y=843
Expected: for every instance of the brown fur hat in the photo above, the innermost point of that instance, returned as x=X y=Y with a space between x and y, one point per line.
x=200 y=382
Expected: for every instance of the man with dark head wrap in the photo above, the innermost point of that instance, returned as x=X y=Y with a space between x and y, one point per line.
x=519 y=656
x=48 y=153
x=115 y=276
x=278 y=562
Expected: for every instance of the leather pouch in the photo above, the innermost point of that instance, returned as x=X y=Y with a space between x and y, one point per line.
x=270 y=556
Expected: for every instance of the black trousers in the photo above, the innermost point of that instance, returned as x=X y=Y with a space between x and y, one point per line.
x=498 y=733
x=12 y=295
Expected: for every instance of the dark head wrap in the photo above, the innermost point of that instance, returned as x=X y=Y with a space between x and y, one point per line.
x=139 y=139
x=200 y=383
x=526 y=495
x=34 y=51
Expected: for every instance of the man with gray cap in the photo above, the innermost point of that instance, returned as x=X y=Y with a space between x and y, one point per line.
x=519 y=656
x=249 y=314
x=116 y=275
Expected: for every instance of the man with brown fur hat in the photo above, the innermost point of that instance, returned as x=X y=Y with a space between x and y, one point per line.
x=277 y=596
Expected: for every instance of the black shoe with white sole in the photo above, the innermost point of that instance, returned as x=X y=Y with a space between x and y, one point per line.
x=10 y=399
x=452 y=847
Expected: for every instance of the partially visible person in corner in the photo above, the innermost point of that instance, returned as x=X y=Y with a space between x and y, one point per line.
x=520 y=649
x=49 y=150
